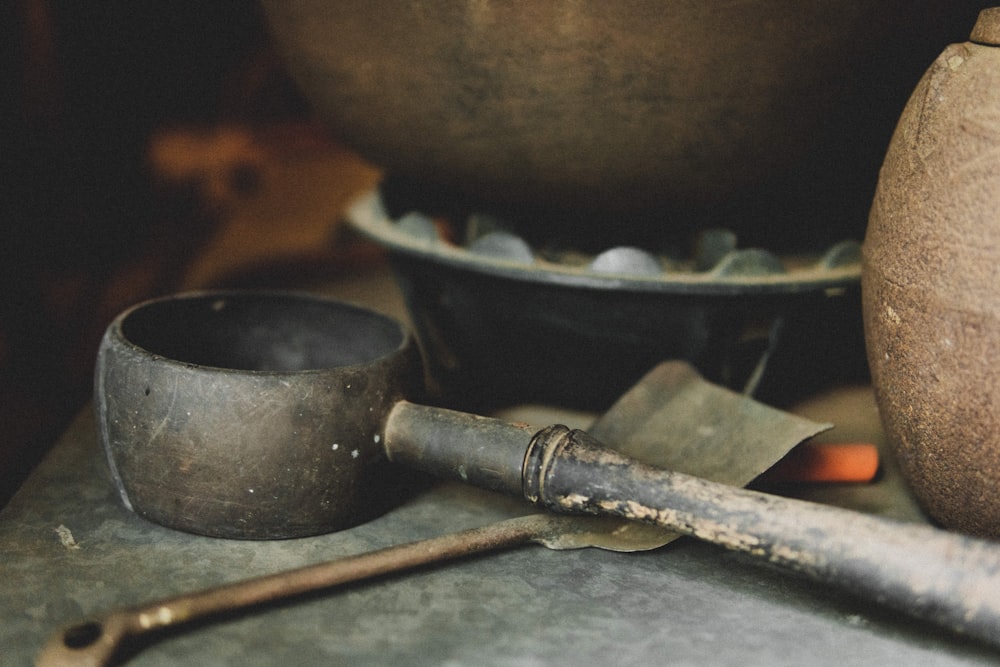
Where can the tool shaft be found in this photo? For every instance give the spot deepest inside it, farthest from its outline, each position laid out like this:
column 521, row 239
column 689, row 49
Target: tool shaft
column 943, row 577
column 96, row 642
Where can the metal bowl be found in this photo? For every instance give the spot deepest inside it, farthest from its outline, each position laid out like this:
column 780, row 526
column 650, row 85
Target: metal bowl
column 503, row 322
column 224, row 413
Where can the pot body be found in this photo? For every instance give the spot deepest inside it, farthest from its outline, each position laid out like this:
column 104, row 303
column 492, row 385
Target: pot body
column 930, row 286
column 251, row 415
column 685, row 108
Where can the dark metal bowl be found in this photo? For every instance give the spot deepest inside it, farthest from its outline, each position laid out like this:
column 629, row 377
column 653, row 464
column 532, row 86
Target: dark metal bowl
column 502, row 323
column 229, row 414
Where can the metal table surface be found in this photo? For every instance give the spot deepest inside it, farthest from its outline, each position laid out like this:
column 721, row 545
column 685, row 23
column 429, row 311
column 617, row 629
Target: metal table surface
column 69, row 549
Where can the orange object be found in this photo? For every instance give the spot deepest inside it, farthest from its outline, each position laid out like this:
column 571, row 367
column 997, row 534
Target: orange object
column 826, row 462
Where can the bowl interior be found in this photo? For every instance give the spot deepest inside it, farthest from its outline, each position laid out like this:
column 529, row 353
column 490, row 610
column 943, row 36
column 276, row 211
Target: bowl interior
column 261, row 332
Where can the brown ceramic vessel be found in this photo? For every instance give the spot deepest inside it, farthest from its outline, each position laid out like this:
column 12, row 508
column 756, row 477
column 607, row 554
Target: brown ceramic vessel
column 930, row 285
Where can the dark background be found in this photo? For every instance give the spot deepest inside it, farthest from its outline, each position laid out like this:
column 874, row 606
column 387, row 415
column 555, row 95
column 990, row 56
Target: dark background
column 85, row 85
column 85, row 227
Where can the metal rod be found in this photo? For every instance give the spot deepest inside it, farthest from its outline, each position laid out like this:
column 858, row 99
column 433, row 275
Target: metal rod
column 98, row 641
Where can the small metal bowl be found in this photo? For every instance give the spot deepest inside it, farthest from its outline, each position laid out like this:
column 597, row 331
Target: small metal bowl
column 223, row 413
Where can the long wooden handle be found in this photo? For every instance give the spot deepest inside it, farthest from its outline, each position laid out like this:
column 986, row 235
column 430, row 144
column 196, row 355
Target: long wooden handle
column 942, row 577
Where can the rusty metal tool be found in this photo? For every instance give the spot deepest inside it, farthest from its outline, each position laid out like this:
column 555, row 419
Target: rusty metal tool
column 104, row 640
column 943, row 577
column 948, row 572
column 712, row 432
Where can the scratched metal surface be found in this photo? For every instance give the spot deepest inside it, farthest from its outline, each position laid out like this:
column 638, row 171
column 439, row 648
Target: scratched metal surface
column 68, row 549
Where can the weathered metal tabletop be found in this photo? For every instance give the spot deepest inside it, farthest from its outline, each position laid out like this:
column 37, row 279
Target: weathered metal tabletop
column 69, row 549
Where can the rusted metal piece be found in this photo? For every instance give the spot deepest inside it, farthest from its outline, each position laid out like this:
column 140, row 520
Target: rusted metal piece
column 101, row 641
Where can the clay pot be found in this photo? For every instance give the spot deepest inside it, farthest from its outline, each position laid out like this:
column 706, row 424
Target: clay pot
column 930, row 285
column 719, row 108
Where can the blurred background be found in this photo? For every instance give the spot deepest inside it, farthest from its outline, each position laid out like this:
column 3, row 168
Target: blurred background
column 145, row 148
column 152, row 147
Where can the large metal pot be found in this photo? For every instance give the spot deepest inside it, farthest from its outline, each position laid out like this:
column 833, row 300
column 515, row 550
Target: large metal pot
column 697, row 108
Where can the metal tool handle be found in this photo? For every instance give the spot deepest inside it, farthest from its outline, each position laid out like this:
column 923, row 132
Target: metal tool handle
column 932, row 574
column 100, row 640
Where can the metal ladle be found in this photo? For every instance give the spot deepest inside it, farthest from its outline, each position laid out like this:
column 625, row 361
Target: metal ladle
column 671, row 417
column 942, row 577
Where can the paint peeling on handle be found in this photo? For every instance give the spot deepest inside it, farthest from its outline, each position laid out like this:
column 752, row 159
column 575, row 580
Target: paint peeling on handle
column 946, row 578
